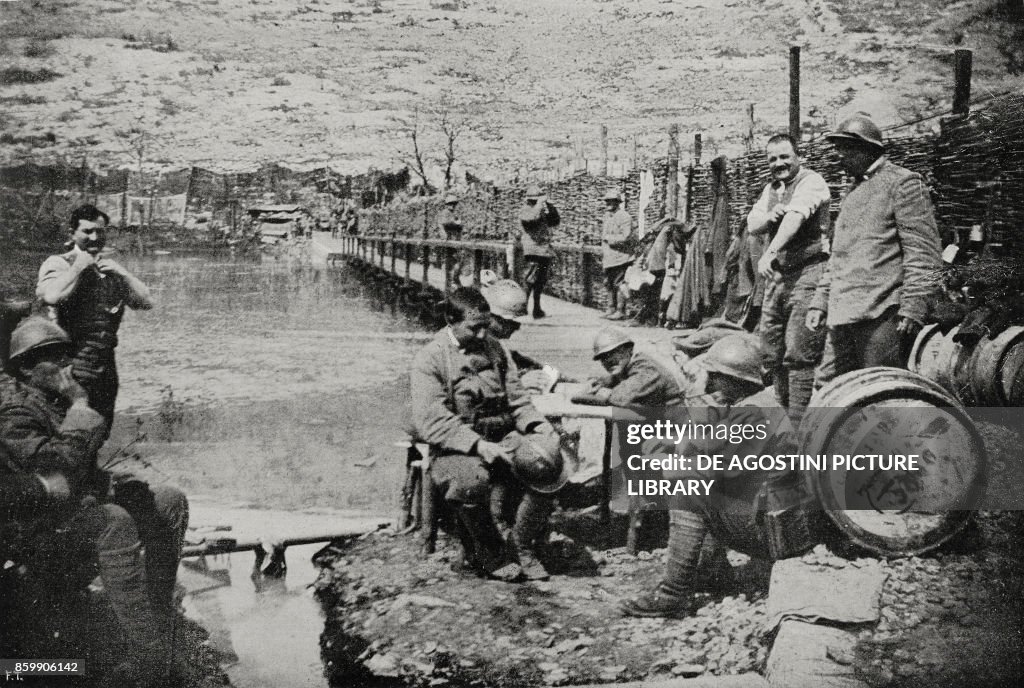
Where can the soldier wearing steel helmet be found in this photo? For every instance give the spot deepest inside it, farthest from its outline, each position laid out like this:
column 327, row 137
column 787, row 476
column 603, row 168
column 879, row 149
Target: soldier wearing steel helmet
column 538, row 218
column 636, row 378
column 450, row 225
column 732, row 511
column 48, row 433
column 885, row 261
column 618, row 241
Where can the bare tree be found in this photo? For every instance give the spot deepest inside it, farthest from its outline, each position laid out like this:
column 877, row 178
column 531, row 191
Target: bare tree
column 414, row 158
column 452, row 127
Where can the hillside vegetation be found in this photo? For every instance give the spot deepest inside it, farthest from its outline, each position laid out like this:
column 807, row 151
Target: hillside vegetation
column 232, row 83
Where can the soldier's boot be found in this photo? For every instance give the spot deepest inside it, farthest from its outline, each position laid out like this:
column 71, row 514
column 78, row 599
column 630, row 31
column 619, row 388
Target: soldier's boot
column 714, row 573
column 482, row 538
column 152, row 660
column 531, row 520
column 671, row 598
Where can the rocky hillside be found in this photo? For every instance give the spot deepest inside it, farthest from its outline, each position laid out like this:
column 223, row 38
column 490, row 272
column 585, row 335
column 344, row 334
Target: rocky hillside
column 232, row 83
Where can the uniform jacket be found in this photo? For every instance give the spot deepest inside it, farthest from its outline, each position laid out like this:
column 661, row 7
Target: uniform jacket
column 481, row 383
column 449, row 223
column 537, row 221
column 617, row 239
column 37, row 435
column 885, row 250
column 646, row 382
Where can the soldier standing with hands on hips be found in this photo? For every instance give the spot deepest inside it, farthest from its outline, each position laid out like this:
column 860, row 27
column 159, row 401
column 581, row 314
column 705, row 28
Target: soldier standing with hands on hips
column 88, row 293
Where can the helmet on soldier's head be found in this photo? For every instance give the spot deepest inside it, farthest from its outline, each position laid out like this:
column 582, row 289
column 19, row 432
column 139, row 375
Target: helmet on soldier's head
column 506, row 299
column 612, row 194
column 609, row 339
column 735, row 355
column 537, row 461
column 859, row 127
column 35, row 332
column 533, row 191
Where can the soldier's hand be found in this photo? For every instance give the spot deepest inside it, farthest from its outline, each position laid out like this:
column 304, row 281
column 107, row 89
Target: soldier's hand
column 777, row 213
column 83, row 260
column 815, row 318
column 491, row 452
column 908, row 327
column 56, row 485
column 62, row 383
column 110, row 265
column 764, row 265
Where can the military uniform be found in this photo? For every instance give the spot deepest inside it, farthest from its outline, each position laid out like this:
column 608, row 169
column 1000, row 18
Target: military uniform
column 91, row 315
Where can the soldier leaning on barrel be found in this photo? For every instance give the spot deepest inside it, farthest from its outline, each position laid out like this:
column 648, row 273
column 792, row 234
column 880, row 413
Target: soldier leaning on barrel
column 735, row 511
column 47, row 429
column 469, row 405
column 793, row 211
column 885, row 261
column 88, row 292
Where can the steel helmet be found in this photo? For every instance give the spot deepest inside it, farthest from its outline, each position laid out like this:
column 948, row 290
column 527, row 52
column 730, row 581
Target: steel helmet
column 858, row 128
column 451, row 198
column 506, row 299
column 735, row 355
column 537, row 461
column 533, row 191
column 34, row 332
column 612, row 194
column 609, row 339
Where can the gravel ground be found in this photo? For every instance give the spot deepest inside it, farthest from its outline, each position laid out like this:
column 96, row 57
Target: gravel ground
column 400, row 619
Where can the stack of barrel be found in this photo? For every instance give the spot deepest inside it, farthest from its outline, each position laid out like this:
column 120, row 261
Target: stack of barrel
column 988, row 373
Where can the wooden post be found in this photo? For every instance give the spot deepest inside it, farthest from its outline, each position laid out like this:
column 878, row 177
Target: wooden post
column 962, row 64
column 408, row 263
column 636, row 155
column 588, row 280
column 426, row 265
column 449, row 265
column 394, row 256
column 750, row 127
column 698, row 148
column 672, row 184
column 478, row 266
column 794, row 92
column 604, row 509
column 604, row 150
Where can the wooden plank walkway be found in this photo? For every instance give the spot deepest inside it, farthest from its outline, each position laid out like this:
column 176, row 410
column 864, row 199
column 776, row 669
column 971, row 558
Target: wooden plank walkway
column 562, row 339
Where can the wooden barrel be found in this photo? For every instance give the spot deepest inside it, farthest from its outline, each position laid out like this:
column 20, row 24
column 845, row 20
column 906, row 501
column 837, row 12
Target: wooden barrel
column 890, row 410
column 1013, row 366
column 993, row 366
column 933, row 355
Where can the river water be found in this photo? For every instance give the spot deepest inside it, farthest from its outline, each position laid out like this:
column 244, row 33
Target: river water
column 271, row 391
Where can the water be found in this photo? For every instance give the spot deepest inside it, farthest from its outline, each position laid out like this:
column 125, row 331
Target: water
column 263, row 388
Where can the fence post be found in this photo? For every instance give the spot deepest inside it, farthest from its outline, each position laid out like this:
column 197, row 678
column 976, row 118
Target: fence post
column 478, row 266
column 794, row 92
column 672, row 184
column 962, row 63
column 426, row 266
column 603, row 131
column 698, row 149
column 588, row 279
column 394, row 255
column 449, row 265
column 750, row 127
column 408, row 263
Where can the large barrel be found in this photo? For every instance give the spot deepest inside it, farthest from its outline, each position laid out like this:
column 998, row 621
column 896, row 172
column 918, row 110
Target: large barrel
column 978, row 375
column 895, row 512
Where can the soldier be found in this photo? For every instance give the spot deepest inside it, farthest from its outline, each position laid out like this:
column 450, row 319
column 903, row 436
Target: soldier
column 730, row 511
column 48, row 429
column 469, row 405
column 793, row 211
column 618, row 241
column 538, row 218
column 450, row 226
column 885, row 262
column 89, row 292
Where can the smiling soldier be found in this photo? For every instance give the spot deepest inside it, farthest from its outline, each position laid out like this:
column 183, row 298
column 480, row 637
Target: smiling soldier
column 89, row 293
column 793, row 211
